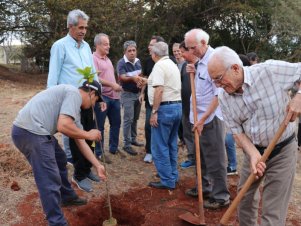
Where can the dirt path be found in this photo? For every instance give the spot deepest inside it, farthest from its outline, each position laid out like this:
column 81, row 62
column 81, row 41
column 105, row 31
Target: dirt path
column 133, row 202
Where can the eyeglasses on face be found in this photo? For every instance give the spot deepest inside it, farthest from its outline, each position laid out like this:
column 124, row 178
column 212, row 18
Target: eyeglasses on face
column 220, row 77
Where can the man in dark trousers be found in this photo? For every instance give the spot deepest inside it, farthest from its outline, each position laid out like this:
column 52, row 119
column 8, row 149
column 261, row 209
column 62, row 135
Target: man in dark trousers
column 56, row 109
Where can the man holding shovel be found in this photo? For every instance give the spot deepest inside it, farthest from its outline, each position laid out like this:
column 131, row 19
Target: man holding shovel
column 254, row 102
column 210, row 125
column 56, row 109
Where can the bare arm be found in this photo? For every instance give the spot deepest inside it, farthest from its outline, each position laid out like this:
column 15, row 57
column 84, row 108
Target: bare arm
column 158, row 93
column 115, row 86
column 211, row 108
column 67, row 126
column 257, row 167
column 137, row 79
column 86, row 151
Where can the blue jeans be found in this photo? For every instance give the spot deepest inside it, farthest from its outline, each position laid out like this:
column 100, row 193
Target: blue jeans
column 113, row 113
column 231, row 151
column 66, row 146
column 48, row 162
column 130, row 103
column 164, row 143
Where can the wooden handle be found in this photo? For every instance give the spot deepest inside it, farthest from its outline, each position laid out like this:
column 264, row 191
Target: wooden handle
column 197, row 151
column 252, row 178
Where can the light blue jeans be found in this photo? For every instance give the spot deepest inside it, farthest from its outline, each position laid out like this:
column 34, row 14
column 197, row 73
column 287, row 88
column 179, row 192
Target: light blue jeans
column 231, row 151
column 164, row 143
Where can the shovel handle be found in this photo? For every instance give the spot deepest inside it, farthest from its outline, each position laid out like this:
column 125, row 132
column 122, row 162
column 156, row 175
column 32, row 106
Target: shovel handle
column 197, row 151
column 252, row 177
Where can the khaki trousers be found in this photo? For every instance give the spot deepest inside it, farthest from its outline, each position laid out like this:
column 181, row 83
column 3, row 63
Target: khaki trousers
column 277, row 188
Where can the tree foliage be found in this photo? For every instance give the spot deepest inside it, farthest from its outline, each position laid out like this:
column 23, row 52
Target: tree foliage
column 271, row 28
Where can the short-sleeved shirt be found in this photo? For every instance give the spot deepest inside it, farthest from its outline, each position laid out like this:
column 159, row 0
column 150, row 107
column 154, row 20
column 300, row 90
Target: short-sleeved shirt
column 106, row 72
column 205, row 90
column 40, row 115
column 127, row 68
column 260, row 109
column 65, row 58
column 165, row 73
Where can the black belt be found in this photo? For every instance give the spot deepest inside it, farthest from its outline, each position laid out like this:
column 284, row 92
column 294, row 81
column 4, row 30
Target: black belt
column 277, row 148
column 170, row 102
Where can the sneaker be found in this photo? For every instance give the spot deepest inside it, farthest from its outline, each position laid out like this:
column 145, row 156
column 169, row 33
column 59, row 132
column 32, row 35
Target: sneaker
column 130, row 151
column 214, row 205
column 93, row 177
column 187, row 164
column 74, row 202
column 136, row 143
column 231, row 172
column 70, row 161
column 107, row 159
column 84, row 184
column 193, row 192
column 148, row 158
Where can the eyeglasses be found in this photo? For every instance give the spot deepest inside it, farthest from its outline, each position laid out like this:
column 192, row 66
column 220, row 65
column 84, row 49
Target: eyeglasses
column 220, row 78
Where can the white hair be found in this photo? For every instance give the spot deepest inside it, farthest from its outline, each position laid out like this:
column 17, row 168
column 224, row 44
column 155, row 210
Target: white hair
column 199, row 35
column 227, row 56
column 97, row 39
column 160, row 49
column 74, row 15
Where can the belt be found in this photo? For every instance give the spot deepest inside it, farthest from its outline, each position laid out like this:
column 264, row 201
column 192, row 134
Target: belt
column 277, row 148
column 170, row 102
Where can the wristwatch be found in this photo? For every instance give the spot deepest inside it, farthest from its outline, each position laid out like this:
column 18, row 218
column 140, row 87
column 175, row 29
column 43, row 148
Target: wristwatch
column 154, row 111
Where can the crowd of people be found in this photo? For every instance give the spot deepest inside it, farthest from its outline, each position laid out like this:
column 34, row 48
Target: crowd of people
column 238, row 99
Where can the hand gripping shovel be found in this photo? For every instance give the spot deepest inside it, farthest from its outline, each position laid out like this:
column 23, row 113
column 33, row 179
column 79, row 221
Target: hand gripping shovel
column 251, row 178
column 196, row 219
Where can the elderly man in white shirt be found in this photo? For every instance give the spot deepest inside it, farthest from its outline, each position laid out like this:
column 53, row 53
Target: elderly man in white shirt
column 254, row 103
column 164, row 93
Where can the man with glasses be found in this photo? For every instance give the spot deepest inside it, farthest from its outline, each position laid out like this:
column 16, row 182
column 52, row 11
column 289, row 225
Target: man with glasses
column 209, row 126
column 254, row 102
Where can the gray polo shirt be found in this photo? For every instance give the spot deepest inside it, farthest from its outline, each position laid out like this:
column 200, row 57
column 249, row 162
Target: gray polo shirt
column 41, row 113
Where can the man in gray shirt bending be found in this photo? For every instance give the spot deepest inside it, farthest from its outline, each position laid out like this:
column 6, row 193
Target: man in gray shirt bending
column 56, row 109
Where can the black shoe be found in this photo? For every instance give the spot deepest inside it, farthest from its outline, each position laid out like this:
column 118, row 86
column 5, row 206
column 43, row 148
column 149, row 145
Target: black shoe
column 214, row 204
column 159, row 185
column 74, row 202
column 135, row 143
column 193, row 192
column 130, row 151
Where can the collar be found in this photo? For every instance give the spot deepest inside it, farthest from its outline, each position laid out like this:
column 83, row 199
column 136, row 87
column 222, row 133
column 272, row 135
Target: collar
column 164, row 58
column 248, row 81
column 74, row 42
column 99, row 56
column 127, row 61
column 205, row 58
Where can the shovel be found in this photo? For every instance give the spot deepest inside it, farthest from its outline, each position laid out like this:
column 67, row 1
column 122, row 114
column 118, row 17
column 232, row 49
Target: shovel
column 251, row 178
column 196, row 219
column 111, row 221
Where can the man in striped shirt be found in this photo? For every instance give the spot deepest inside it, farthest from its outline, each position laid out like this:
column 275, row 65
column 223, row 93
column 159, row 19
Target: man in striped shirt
column 254, row 102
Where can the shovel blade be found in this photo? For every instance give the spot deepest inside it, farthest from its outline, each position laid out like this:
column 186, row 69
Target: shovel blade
column 192, row 218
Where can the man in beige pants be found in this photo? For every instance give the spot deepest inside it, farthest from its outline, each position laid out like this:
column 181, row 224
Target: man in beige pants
column 254, row 103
